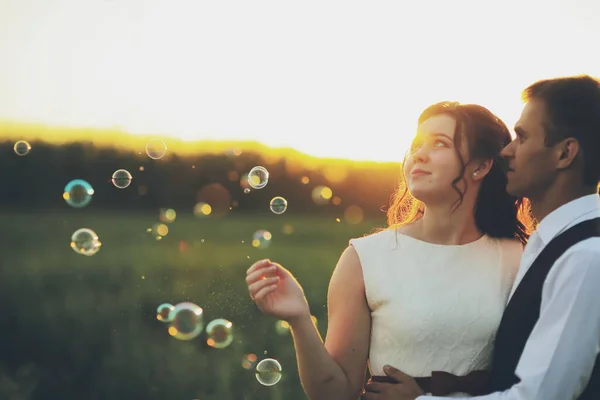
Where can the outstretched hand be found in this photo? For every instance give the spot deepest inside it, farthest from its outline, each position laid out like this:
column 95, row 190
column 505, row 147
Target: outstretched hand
column 404, row 387
column 275, row 291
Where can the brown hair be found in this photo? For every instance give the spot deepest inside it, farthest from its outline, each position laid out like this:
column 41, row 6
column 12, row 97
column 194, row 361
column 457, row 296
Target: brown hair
column 497, row 213
column 572, row 109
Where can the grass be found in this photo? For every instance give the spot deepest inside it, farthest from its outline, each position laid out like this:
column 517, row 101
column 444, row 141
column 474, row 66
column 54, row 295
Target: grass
column 85, row 327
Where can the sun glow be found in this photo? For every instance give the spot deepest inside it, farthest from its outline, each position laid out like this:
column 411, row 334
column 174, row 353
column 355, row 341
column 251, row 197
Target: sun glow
column 330, row 79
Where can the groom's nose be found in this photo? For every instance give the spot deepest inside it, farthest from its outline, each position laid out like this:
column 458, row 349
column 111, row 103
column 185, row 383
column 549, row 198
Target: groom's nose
column 507, row 151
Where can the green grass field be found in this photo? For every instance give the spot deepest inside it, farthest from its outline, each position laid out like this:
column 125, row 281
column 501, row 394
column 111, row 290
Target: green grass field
column 85, row 327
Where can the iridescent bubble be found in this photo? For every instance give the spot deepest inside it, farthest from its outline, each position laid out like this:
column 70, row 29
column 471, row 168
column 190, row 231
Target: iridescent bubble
column 278, row 205
column 163, row 312
column 268, row 372
column 258, row 177
column 261, row 239
column 220, row 333
column 156, row 149
column 186, row 321
column 22, row 148
column 78, row 193
column 121, row 178
column 85, row 241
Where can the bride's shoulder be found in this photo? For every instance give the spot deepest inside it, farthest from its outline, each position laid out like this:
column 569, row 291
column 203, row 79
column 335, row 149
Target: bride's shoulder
column 378, row 236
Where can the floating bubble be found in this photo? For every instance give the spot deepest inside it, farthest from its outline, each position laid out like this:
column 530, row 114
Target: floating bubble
column 268, row 372
column 247, row 190
column 258, row 177
column 156, row 149
column 249, row 360
column 282, row 327
column 159, row 230
column 354, row 214
column 121, row 178
column 78, row 193
column 220, row 333
column 261, row 239
column 163, row 312
column 167, row 215
column 321, row 195
column 22, row 148
column 278, row 205
column 186, row 321
column 202, row 209
column 85, row 241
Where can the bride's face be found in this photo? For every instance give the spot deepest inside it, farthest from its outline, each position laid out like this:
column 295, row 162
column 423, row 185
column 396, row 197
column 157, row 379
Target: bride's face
column 433, row 163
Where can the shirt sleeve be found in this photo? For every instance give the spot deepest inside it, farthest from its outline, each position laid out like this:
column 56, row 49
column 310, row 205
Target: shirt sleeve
column 559, row 356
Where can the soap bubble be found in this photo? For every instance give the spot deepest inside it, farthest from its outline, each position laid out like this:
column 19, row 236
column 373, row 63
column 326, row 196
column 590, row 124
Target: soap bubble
column 156, row 149
column 258, row 177
column 22, row 148
column 167, row 215
column 186, row 321
column 278, row 205
column 219, row 332
column 321, row 195
column 78, row 193
column 268, row 372
column 85, row 241
column 121, row 178
column 261, row 239
column 163, row 312
column 249, row 360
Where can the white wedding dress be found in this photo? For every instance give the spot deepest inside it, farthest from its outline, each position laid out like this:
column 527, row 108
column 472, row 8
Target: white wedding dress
column 435, row 307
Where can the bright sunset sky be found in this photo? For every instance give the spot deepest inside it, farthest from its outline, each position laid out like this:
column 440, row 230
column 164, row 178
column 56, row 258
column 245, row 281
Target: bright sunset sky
column 329, row 78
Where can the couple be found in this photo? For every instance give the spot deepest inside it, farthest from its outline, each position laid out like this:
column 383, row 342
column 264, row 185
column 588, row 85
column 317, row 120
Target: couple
column 446, row 302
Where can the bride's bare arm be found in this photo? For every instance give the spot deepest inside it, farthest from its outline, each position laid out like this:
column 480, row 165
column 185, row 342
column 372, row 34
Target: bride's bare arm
column 336, row 369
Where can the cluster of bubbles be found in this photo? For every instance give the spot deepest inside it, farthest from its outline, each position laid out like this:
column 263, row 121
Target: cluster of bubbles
column 185, row 320
column 78, row 193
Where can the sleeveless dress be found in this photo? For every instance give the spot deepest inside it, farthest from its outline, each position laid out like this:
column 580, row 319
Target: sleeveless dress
column 435, row 307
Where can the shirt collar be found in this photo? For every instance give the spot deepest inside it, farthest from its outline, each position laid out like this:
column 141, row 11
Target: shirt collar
column 563, row 216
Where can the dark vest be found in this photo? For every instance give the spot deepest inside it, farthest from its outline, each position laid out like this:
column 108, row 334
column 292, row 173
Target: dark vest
column 523, row 311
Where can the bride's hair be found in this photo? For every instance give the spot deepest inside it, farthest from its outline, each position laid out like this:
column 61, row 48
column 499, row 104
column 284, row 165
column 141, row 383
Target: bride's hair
column 497, row 213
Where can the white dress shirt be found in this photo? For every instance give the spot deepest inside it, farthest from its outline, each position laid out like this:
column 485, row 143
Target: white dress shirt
column 559, row 356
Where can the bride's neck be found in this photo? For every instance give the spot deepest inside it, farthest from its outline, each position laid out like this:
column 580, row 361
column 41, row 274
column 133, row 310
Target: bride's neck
column 440, row 226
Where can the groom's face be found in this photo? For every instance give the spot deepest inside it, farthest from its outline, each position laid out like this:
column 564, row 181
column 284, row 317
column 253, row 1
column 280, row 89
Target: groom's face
column 530, row 161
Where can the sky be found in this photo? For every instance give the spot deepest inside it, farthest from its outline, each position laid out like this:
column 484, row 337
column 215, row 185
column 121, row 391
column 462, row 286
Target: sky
column 343, row 79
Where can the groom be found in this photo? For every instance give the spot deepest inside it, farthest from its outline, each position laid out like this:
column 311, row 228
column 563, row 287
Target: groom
column 548, row 341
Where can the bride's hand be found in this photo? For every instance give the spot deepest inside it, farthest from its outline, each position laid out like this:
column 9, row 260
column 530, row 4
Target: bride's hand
column 275, row 291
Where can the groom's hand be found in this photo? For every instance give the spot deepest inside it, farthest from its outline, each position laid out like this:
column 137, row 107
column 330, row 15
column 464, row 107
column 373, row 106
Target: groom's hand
column 405, row 388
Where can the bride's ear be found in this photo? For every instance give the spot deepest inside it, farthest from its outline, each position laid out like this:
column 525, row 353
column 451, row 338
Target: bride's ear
column 482, row 168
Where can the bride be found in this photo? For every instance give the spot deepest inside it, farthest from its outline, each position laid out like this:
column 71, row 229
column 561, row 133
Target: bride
column 427, row 293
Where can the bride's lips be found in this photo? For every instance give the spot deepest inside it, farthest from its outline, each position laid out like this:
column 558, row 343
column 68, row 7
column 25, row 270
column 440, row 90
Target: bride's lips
column 419, row 172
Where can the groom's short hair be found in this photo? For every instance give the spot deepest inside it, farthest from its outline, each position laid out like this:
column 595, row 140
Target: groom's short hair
column 572, row 109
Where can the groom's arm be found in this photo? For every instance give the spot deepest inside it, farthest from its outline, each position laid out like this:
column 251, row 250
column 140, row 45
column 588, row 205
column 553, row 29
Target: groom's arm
column 559, row 356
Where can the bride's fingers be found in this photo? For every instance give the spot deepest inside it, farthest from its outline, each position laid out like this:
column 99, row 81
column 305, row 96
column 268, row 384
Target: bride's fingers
column 265, row 291
column 259, row 274
column 261, row 283
column 257, row 265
